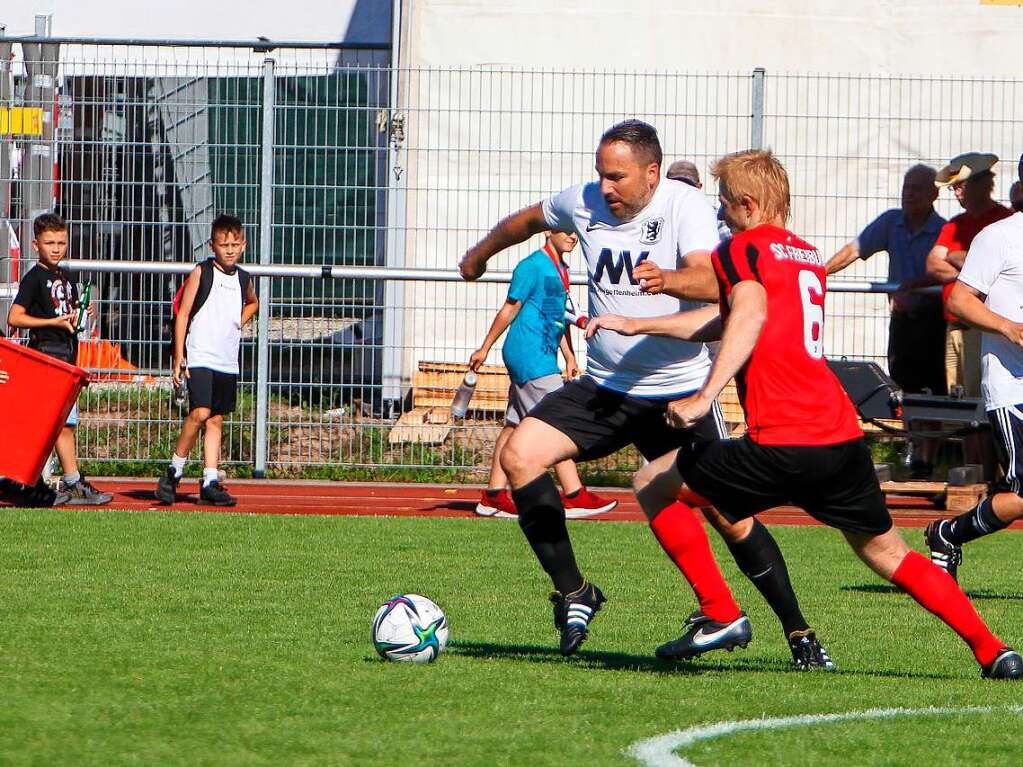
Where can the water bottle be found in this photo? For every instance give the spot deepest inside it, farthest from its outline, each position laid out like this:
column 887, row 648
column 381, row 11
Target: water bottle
column 179, row 396
column 579, row 320
column 83, row 307
column 460, row 404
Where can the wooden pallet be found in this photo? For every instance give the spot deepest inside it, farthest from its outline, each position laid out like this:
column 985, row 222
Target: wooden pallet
column 425, row 425
column 957, row 497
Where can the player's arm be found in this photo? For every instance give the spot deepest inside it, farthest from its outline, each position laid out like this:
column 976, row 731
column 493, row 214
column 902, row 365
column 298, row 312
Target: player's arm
column 516, row 228
column 695, row 281
column 571, row 364
column 703, row 324
column 502, row 320
column 18, row 317
column 181, row 321
column 849, row 253
column 939, row 267
column 250, row 307
column 967, row 303
column 746, row 317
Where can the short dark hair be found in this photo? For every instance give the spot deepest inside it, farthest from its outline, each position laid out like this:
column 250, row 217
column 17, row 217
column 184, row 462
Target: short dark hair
column 641, row 136
column 225, row 222
column 48, row 222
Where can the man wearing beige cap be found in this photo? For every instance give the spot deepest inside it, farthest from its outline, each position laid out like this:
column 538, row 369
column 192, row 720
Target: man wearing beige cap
column 973, row 183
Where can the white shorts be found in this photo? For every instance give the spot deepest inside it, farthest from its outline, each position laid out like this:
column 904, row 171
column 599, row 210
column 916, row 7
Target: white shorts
column 522, row 399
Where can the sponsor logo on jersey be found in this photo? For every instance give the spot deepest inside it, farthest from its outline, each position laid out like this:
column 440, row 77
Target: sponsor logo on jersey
column 617, row 265
column 651, row 231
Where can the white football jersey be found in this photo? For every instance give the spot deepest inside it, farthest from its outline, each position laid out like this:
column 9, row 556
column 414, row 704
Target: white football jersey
column 994, row 266
column 677, row 221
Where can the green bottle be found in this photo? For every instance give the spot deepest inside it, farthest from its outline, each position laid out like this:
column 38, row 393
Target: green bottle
column 83, row 306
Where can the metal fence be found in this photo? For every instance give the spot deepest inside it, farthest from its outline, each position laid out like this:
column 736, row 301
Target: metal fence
column 339, row 157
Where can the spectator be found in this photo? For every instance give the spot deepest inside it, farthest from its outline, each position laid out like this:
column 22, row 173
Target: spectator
column 1016, row 196
column 535, row 312
column 973, row 183
column 686, row 172
column 916, row 330
column 47, row 306
column 217, row 301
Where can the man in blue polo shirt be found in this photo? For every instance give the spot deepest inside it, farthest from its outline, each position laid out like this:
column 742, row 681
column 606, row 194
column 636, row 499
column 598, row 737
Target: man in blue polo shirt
column 916, row 333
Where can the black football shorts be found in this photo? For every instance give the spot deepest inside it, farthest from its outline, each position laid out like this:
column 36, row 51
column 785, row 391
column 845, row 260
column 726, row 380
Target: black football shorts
column 834, row 484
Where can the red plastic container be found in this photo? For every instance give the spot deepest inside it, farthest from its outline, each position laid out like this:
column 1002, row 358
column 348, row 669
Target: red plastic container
column 34, row 404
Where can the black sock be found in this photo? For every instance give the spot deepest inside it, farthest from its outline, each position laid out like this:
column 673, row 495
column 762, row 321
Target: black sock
column 542, row 519
column 575, row 492
column 494, row 492
column 973, row 524
column 760, row 559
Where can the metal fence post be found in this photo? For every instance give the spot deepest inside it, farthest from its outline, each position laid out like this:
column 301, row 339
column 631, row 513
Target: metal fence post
column 756, row 131
column 266, row 214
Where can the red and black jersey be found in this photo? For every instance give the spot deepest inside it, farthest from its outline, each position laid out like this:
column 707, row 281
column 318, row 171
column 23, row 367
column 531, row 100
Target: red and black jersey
column 787, row 391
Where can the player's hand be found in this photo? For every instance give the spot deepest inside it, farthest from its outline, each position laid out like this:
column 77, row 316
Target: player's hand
column 178, row 371
column 471, row 267
column 650, row 276
column 477, row 359
column 572, row 368
column 1014, row 332
column 621, row 325
column 685, row 413
column 65, row 322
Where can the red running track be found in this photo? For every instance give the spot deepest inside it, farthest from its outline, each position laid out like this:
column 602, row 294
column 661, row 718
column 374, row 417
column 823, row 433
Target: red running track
column 402, row 500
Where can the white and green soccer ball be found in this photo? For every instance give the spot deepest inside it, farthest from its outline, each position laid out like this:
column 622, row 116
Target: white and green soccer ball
column 410, row 628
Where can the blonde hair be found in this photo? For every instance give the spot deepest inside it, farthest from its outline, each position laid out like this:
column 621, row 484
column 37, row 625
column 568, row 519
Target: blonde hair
column 758, row 174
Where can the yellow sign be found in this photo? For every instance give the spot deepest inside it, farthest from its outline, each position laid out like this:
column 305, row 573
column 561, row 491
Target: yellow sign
column 21, row 121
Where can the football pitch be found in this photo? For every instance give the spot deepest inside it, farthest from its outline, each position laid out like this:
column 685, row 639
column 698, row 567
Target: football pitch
column 205, row 639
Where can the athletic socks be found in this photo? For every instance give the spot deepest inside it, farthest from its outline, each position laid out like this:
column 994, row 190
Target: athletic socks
column 178, row 464
column 684, row 540
column 760, row 559
column 972, row 524
column 209, row 476
column 72, row 478
column 542, row 519
column 935, row 590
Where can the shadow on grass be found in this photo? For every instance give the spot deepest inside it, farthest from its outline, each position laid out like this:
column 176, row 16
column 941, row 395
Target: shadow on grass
column 885, row 588
column 616, row 661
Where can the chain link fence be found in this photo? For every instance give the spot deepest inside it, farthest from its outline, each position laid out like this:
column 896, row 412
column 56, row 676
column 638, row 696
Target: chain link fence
column 334, row 158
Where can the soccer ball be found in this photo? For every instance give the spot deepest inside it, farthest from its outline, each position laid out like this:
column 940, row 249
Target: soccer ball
column 410, row 628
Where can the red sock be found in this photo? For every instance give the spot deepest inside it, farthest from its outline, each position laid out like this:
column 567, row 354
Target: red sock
column 683, row 538
column 935, row 590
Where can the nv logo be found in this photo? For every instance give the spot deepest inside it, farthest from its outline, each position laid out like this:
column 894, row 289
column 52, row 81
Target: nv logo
column 615, row 265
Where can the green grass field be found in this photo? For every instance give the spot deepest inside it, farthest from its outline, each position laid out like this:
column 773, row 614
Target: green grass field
column 202, row 639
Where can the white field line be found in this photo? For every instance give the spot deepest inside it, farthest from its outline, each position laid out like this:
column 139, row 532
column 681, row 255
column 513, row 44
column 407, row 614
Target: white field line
column 659, row 751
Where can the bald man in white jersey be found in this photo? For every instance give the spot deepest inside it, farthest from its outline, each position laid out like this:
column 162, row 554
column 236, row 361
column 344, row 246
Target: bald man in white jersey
column 647, row 243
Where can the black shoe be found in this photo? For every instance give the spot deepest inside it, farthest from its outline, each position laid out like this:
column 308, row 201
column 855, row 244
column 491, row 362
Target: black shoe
column 944, row 554
column 703, row 635
column 82, row 493
column 215, row 493
column 167, row 487
column 573, row 613
column 808, row 653
column 1007, row 665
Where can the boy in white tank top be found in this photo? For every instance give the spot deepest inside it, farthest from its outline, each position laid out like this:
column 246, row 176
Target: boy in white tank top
column 218, row 298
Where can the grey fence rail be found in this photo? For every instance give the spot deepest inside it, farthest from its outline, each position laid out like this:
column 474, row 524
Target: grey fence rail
column 343, row 159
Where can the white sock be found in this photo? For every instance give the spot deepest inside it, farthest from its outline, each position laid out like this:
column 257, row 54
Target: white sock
column 72, row 479
column 209, row 476
column 178, row 464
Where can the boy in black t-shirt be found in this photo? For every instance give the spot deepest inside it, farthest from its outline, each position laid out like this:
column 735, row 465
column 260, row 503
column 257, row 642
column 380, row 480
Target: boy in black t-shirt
column 46, row 306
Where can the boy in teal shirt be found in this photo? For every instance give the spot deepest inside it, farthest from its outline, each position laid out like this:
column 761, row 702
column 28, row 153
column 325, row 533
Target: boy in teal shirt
column 534, row 315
